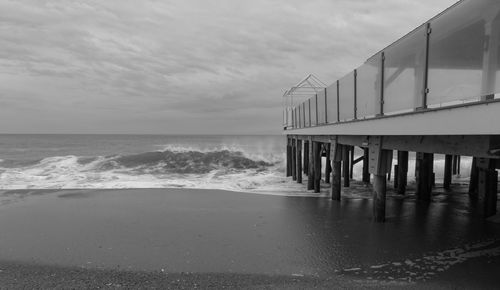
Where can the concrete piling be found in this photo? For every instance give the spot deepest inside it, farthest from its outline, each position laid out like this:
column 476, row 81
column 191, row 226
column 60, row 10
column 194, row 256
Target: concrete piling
column 345, row 165
column 336, row 158
column 299, row 161
column 328, row 164
column 351, row 163
column 288, row 158
column 380, row 162
column 456, row 164
column 447, row 171
column 474, row 172
column 317, row 166
column 402, row 171
column 336, row 180
column 310, row 176
column 379, row 195
column 366, row 173
column 306, row 157
column 487, row 186
column 424, row 185
column 294, row 159
column 396, row 176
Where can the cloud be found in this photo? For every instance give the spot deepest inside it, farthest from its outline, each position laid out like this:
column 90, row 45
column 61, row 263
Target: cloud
column 156, row 66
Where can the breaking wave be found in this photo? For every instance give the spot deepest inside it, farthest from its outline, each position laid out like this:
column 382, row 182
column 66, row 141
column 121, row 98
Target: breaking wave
column 191, row 162
column 171, row 167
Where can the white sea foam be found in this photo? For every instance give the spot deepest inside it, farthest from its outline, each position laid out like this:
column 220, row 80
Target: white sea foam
column 65, row 172
column 166, row 169
column 263, row 152
column 429, row 265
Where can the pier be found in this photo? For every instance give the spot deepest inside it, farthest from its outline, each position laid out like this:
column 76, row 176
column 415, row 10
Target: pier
column 434, row 91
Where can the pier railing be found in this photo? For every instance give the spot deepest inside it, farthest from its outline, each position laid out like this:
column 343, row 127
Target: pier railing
column 451, row 60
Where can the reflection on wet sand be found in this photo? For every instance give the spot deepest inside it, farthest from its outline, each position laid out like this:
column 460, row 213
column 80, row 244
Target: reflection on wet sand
column 181, row 230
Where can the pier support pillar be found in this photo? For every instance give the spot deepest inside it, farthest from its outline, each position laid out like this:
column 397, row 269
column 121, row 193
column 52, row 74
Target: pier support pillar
column 380, row 162
column 396, row 176
column 288, row 157
column 402, row 171
column 328, row 165
column 432, row 175
column 459, row 159
column 474, row 174
column 317, row 166
column 487, row 186
column 299, row 160
column 294, row 159
column 306, row 157
column 366, row 172
column 310, row 166
column 456, row 164
column 345, row 165
column 424, row 169
column 351, row 168
column 336, row 157
column 379, row 192
column 447, row 171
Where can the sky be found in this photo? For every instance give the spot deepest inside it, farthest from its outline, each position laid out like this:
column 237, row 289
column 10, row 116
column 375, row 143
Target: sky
column 181, row 67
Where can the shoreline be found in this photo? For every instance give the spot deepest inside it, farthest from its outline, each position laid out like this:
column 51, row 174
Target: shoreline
column 14, row 275
column 216, row 238
column 477, row 273
column 357, row 190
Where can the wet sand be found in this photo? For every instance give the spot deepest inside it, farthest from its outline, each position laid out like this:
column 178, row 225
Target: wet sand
column 182, row 238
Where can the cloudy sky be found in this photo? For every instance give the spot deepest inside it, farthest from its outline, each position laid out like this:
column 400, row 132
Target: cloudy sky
column 185, row 66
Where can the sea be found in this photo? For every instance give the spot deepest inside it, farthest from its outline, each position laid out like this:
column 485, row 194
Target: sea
column 247, row 218
column 226, row 162
column 237, row 163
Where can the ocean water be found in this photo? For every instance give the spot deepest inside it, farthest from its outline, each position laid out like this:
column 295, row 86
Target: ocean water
column 205, row 231
column 238, row 163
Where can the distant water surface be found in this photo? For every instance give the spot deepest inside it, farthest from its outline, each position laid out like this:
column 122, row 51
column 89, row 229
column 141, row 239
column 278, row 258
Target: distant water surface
column 237, row 163
column 240, row 163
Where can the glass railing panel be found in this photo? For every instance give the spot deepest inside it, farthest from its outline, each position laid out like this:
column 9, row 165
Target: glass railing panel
column 288, row 114
column 463, row 53
column 307, row 113
column 368, row 87
column 302, row 117
column 299, row 121
column 346, row 97
column 331, row 103
column 404, row 72
column 313, row 106
column 299, row 116
column 321, row 107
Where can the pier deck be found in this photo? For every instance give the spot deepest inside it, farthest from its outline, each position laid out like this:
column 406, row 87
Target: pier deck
column 434, row 91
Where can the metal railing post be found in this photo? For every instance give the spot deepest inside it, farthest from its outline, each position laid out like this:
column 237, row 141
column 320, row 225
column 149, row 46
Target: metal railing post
column 326, row 108
column 316, row 101
column 309, row 100
column 382, row 83
column 338, row 101
column 426, row 68
column 355, row 94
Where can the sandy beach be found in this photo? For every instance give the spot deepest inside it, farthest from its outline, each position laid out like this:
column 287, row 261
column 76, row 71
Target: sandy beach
column 183, row 238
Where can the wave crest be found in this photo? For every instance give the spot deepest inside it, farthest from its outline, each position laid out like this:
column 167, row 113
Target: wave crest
column 220, row 169
column 184, row 162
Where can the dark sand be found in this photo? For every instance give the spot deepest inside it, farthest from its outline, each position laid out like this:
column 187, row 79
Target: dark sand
column 179, row 238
